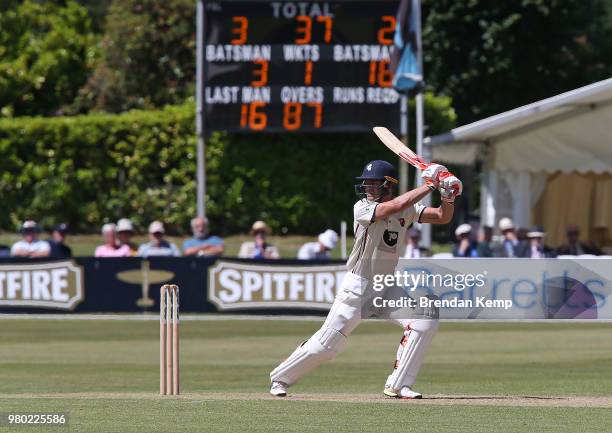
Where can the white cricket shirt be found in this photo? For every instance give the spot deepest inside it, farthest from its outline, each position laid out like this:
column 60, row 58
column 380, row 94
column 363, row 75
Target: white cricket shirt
column 378, row 244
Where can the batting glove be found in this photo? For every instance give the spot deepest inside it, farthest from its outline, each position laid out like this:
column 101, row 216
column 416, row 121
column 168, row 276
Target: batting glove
column 450, row 187
column 432, row 173
column 448, row 195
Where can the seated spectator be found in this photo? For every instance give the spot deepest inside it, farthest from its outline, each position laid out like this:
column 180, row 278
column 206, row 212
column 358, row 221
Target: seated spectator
column 413, row 248
column 521, row 235
column 507, row 247
column 601, row 239
column 485, row 241
column 111, row 247
column 157, row 245
column 319, row 250
column 125, row 231
column 30, row 245
column 465, row 246
column 574, row 247
column 202, row 243
column 259, row 248
column 534, row 248
column 57, row 243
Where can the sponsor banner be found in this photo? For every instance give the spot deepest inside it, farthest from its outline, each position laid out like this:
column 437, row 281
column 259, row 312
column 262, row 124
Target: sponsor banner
column 131, row 284
column 501, row 289
column 52, row 285
column 245, row 285
column 101, row 285
column 506, row 289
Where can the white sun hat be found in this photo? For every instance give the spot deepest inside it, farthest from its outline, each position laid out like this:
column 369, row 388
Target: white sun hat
column 125, row 225
column 506, row 224
column 463, row 229
column 328, row 239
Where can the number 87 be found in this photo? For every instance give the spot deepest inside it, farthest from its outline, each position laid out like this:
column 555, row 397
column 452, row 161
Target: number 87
column 292, row 115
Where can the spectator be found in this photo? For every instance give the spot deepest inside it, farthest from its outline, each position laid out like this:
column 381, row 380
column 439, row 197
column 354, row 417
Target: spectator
column 574, row 246
column 534, row 248
column 125, row 231
column 111, row 247
column 601, row 239
column 485, row 241
column 465, row 246
column 319, row 250
column 507, row 247
column 413, row 249
column 259, row 248
column 57, row 243
column 30, row 245
column 157, row 245
column 202, row 243
column 521, row 235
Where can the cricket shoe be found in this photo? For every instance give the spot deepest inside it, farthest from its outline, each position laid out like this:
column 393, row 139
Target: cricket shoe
column 404, row 393
column 278, row 389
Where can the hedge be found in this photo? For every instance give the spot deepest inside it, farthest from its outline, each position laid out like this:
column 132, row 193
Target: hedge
column 91, row 169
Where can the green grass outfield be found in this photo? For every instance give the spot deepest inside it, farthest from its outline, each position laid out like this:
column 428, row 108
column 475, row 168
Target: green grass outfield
column 479, row 378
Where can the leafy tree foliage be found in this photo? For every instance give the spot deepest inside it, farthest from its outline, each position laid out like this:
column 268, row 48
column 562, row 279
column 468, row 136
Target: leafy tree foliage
column 97, row 12
column 45, row 48
column 491, row 56
column 148, row 56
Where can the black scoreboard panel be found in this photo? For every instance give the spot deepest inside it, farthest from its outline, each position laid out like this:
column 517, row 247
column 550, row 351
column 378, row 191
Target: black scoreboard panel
column 273, row 66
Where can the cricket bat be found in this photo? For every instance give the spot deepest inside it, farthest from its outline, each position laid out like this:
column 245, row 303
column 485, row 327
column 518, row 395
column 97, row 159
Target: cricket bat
column 399, row 148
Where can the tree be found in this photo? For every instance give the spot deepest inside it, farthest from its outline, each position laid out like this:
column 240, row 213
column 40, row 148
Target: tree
column 148, row 56
column 97, row 10
column 491, row 56
column 45, row 50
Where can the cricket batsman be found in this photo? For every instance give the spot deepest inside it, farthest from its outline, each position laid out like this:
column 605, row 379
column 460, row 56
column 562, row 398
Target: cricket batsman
column 380, row 223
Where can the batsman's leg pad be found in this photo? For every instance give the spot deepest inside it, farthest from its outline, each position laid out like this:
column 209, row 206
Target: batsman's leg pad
column 323, row 346
column 411, row 353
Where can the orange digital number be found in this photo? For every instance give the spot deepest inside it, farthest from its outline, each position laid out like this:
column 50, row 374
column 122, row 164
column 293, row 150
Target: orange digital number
column 385, row 77
column 308, row 73
column 260, row 73
column 305, row 30
column 385, row 34
column 240, row 30
column 328, row 26
column 380, row 74
column 318, row 117
column 244, row 115
column 292, row 116
column 249, row 116
column 372, row 75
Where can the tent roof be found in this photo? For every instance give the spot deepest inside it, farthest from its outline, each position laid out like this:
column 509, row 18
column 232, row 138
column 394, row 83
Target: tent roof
column 568, row 132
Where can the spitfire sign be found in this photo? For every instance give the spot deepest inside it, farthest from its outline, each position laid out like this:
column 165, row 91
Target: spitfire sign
column 57, row 285
column 236, row 285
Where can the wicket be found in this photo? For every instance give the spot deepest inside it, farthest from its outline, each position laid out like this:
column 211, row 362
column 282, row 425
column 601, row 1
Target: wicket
column 169, row 340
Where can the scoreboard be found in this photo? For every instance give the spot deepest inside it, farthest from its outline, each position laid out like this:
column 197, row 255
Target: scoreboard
column 282, row 66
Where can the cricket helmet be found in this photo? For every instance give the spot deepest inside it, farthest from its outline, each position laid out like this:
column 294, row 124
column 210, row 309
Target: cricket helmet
column 379, row 170
column 376, row 170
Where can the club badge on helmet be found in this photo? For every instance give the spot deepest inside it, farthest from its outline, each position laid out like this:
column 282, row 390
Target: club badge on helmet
column 376, row 170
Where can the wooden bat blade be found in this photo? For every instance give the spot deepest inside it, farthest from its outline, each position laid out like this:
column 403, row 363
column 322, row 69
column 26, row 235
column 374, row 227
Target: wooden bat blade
column 396, row 146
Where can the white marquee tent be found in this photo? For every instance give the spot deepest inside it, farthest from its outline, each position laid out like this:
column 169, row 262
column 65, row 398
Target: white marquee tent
column 549, row 162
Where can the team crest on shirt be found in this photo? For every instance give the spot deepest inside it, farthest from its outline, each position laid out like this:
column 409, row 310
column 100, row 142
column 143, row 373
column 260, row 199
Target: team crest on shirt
column 390, row 238
column 402, row 222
